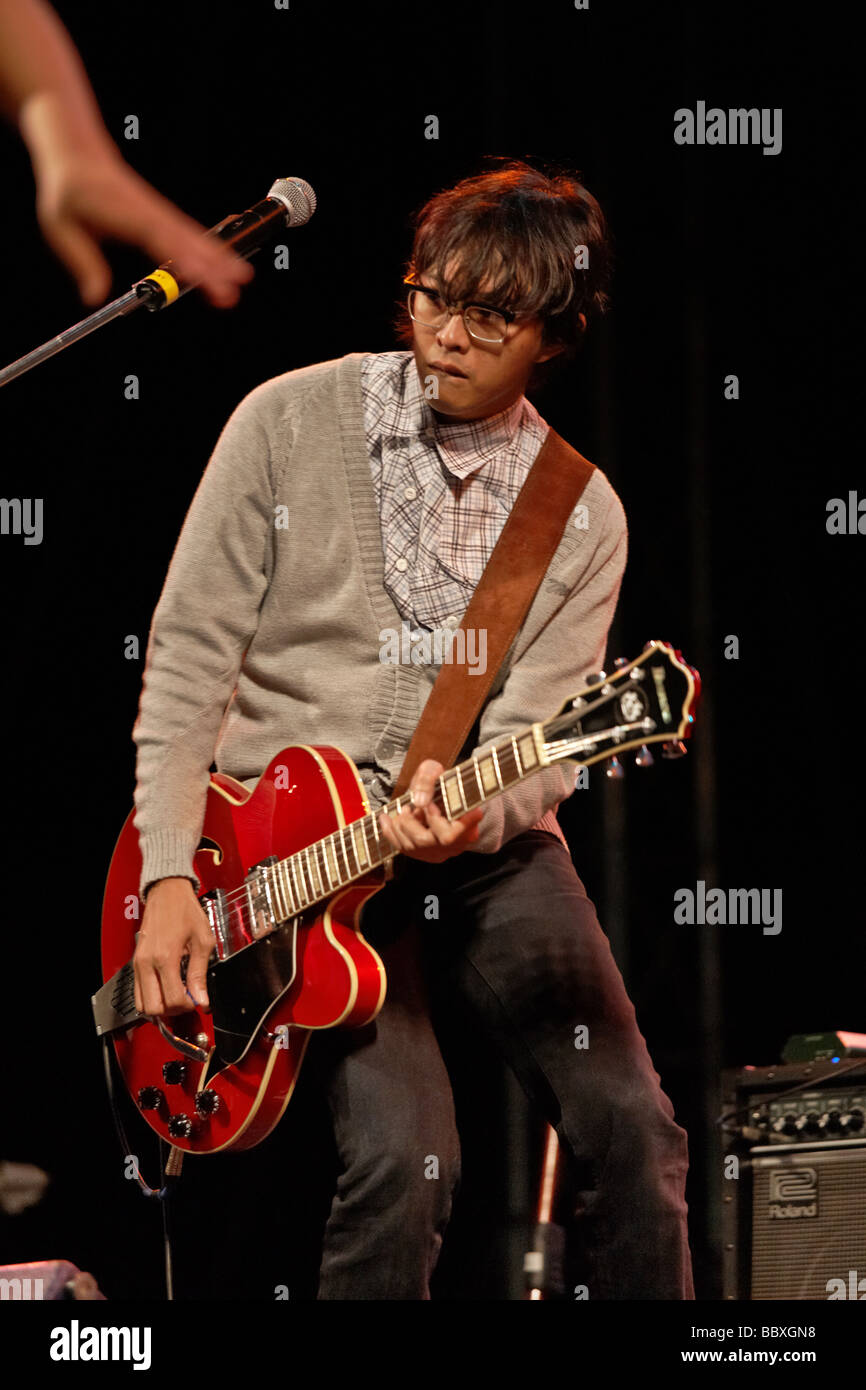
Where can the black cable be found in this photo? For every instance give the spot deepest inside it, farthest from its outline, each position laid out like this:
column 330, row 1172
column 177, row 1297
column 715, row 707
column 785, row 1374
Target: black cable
column 169, row 1181
column 809, row 1085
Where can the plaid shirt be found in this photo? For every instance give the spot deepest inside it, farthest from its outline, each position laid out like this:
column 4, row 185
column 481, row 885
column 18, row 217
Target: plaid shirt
column 444, row 490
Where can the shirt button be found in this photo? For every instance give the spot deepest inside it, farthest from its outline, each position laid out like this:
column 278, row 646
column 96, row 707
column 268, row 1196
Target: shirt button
column 400, row 564
column 410, row 494
column 453, row 621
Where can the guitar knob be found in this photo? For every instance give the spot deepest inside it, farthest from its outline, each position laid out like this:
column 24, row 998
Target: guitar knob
column 207, row 1103
column 150, row 1098
column 621, row 661
column 596, row 677
column 674, row 749
column 614, row 769
column 180, row 1127
column 174, row 1073
column 643, row 757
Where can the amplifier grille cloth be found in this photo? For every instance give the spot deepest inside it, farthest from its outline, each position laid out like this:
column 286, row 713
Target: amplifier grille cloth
column 794, row 1257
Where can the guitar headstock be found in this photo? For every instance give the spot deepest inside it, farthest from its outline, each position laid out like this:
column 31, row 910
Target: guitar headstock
column 649, row 700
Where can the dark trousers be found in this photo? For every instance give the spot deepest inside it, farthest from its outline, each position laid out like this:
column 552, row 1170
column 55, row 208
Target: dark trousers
column 514, row 937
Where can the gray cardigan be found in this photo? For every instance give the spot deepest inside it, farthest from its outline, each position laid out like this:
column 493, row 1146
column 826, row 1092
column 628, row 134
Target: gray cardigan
column 267, row 631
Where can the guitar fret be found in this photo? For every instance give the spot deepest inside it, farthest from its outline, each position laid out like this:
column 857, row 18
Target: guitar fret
column 299, row 857
column 285, row 890
column 495, row 758
column 374, row 822
column 341, row 833
column 321, row 866
column 316, row 889
column 349, row 831
column 508, row 765
column 322, row 861
column 317, row 864
column 359, row 839
column 516, row 755
column 331, row 862
column 275, row 897
column 528, row 752
column 459, row 776
column 473, row 794
column 479, row 783
column 450, row 794
column 488, row 774
column 306, row 879
column 349, row 852
column 299, row 897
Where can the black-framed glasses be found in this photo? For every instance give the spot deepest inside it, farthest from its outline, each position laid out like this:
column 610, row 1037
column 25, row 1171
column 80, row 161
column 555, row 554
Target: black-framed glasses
column 428, row 309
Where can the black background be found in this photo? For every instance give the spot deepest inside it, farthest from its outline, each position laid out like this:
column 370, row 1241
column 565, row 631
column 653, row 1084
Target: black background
column 727, row 261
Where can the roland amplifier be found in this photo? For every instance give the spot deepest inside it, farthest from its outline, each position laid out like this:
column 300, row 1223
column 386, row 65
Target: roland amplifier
column 794, row 1219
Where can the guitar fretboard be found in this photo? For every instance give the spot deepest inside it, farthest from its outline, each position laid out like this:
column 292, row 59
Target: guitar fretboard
column 315, row 873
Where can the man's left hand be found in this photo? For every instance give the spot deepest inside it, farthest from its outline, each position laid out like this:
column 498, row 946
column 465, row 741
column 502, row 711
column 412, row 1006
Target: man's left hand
column 422, row 831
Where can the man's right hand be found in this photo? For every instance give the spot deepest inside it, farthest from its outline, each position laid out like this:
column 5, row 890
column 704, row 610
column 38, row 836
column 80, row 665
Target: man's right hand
column 174, row 925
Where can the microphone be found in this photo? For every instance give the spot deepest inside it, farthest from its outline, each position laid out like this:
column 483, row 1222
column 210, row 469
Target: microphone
column 290, row 203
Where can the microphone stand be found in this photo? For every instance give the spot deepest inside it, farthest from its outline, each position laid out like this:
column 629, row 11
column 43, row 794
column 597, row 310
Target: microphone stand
column 543, row 1265
column 290, row 203
column 118, row 308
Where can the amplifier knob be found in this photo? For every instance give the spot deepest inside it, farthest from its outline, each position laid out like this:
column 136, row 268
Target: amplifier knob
column 174, row 1073
column 807, row 1124
column 150, row 1098
column 829, row 1122
column 784, row 1124
column 180, row 1127
column 853, row 1120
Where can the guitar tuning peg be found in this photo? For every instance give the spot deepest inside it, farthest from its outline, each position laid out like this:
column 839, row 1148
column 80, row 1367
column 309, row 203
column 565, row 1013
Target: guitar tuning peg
column 614, row 769
column 643, row 757
column 596, row 677
column 675, row 749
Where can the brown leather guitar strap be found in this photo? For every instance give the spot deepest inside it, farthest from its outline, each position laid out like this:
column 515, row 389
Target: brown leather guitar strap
column 511, row 577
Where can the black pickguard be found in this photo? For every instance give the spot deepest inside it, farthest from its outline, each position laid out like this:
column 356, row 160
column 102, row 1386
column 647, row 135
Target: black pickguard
column 243, row 988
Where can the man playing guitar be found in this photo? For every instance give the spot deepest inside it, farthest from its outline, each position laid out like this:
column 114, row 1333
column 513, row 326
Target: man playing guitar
column 344, row 502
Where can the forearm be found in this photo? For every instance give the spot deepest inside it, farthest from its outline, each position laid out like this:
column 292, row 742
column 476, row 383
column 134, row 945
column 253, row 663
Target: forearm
column 43, row 84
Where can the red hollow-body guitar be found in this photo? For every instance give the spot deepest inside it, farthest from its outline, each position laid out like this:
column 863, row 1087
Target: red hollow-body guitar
column 285, row 871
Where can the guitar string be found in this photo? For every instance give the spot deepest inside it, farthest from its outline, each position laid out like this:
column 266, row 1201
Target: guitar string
column 500, row 752
column 238, row 897
column 236, row 902
column 504, row 749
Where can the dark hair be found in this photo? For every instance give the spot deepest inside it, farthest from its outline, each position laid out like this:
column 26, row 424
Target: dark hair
column 519, row 229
